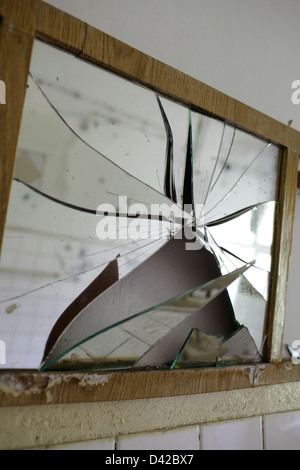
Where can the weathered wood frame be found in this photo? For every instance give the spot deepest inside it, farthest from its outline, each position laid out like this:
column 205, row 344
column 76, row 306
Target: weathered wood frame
column 22, row 22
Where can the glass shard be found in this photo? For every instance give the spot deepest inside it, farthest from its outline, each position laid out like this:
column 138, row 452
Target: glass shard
column 213, row 316
column 117, row 348
column 236, row 239
column 181, row 270
column 145, row 331
column 102, row 282
column 248, row 236
column 188, row 188
column 169, row 184
column 240, row 348
column 179, row 122
column 199, row 350
column 243, row 295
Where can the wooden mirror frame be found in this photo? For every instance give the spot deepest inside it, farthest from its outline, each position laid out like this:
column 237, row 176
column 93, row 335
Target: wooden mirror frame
column 20, row 23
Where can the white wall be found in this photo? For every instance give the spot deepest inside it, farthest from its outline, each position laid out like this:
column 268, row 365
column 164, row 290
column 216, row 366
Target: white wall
column 246, row 49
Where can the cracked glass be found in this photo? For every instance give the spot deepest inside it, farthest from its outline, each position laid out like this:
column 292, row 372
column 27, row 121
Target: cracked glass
column 139, row 232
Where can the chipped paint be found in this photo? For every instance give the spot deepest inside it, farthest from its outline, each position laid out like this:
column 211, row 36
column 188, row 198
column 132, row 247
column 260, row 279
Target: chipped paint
column 253, row 372
column 94, row 379
column 250, row 371
column 258, row 370
column 16, row 384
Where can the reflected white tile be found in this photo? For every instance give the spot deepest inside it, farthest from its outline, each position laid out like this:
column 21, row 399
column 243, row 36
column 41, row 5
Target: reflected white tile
column 242, row 434
column 179, row 439
column 282, row 431
column 145, row 329
column 104, row 343
column 133, row 348
column 170, row 320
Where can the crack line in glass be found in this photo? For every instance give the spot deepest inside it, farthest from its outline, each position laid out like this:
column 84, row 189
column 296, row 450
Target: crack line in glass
column 239, row 179
column 170, row 190
column 92, row 148
column 226, row 159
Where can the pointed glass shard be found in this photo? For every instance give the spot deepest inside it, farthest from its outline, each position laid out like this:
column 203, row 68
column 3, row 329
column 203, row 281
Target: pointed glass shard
column 213, row 316
column 102, row 282
column 251, row 236
column 240, row 348
column 248, row 236
column 188, row 187
column 178, row 118
column 199, row 350
column 242, row 294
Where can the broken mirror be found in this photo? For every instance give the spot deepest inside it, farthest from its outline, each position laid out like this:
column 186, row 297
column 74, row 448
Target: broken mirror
column 139, row 232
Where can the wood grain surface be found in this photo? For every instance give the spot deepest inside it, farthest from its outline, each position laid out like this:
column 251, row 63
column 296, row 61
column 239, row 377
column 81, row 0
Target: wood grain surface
column 32, row 388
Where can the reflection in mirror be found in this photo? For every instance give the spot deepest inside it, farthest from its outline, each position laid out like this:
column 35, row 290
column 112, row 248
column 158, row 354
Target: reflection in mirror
column 201, row 349
column 160, row 329
column 139, row 233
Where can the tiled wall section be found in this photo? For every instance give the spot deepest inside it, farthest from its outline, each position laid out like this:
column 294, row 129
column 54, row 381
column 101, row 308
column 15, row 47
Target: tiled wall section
column 280, row 431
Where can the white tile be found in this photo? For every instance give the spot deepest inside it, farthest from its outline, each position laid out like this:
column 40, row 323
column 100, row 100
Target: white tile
column 103, row 344
column 145, row 329
column 133, row 348
column 179, row 439
column 95, row 444
column 169, row 319
column 241, row 434
column 282, row 431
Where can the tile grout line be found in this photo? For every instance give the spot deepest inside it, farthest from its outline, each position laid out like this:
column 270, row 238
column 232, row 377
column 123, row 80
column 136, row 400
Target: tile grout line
column 200, row 437
column 263, row 431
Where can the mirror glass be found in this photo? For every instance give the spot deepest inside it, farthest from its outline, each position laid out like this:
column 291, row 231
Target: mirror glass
column 139, row 232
